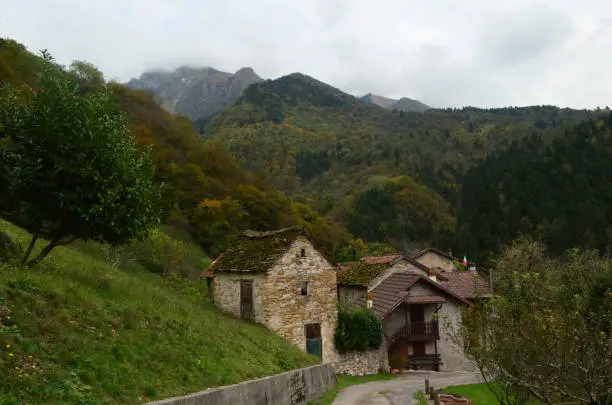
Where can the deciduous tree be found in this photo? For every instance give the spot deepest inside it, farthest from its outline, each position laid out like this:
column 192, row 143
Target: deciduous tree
column 72, row 167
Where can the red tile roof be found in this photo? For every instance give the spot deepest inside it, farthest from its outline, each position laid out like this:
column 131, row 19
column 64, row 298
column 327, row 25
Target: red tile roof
column 209, row 270
column 466, row 284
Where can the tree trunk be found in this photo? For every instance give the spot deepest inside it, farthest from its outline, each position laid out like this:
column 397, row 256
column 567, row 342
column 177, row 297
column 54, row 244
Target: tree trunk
column 30, row 247
column 55, row 242
column 43, row 253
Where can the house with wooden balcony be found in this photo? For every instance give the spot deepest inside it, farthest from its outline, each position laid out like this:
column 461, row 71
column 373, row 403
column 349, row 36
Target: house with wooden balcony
column 417, row 308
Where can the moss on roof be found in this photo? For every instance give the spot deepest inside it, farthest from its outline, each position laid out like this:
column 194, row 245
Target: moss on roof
column 256, row 252
column 361, row 274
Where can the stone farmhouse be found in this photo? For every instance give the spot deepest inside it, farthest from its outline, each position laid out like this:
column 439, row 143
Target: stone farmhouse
column 419, row 301
column 280, row 280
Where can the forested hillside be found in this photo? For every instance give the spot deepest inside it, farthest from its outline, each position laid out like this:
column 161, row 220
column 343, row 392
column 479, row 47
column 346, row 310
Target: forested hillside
column 557, row 189
column 298, row 151
column 207, row 194
column 386, row 175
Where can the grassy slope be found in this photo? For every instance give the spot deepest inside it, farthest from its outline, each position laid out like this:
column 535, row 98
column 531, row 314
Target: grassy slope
column 346, row 381
column 97, row 335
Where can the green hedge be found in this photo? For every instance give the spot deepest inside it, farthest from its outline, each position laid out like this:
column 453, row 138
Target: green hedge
column 358, row 330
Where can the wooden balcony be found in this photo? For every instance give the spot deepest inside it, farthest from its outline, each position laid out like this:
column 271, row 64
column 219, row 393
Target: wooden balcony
column 418, row 332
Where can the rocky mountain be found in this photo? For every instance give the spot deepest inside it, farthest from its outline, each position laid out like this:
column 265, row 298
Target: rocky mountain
column 197, row 93
column 403, row 104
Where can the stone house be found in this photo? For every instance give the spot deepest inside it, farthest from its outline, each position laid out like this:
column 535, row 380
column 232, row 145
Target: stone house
column 417, row 305
column 467, row 284
column 280, row 280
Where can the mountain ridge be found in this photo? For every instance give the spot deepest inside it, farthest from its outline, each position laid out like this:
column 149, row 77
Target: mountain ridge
column 196, row 93
column 404, row 104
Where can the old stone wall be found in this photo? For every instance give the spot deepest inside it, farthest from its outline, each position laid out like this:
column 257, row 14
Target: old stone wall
column 226, row 293
column 452, row 355
column 296, row 387
column 363, row 363
column 286, row 311
column 433, row 260
column 352, row 297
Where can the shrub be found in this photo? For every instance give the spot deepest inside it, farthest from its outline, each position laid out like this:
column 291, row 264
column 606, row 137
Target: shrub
column 163, row 254
column 358, row 330
column 9, row 250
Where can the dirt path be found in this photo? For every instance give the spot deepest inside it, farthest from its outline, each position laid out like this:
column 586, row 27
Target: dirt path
column 400, row 391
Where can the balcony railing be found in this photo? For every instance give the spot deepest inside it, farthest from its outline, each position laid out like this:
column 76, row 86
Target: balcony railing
column 418, row 331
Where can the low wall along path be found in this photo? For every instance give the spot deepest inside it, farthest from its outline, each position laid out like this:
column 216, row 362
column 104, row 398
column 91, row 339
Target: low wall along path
column 296, row 387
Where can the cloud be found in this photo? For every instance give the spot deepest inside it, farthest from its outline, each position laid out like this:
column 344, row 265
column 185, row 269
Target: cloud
column 442, row 52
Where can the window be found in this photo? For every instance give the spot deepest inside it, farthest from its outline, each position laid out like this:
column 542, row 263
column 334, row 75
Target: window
column 303, row 252
column 304, row 289
column 314, row 343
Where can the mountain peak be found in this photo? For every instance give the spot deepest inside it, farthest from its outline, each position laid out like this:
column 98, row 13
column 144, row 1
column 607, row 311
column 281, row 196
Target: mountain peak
column 195, row 92
column 403, row 104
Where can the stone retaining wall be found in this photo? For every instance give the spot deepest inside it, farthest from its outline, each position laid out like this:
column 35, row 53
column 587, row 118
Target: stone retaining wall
column 296, row 387
column 363, row 363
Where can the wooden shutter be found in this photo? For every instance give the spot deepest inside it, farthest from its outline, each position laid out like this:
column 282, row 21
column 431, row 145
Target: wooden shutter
column 246, row 299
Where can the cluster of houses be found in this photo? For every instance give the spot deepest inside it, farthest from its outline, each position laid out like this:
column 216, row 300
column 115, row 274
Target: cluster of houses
column 279, row 279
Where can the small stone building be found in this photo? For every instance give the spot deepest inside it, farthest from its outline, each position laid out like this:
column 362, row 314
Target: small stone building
column 280, row 280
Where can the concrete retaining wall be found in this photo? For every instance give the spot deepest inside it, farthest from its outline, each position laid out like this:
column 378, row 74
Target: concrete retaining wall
column 296, row 387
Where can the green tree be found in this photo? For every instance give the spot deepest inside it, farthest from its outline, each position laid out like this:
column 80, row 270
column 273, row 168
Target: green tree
column 563, row 305
column 87, row 73
column 72, row 168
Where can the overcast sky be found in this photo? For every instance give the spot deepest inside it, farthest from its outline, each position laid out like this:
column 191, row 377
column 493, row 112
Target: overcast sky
column 442, row 52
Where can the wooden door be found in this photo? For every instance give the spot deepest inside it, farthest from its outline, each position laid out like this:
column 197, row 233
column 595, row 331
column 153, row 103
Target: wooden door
column 314, row 342
column 246, row 299
column 417, row 319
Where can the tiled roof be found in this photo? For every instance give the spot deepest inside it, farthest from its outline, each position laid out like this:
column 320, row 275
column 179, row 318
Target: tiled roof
column 466, row 284
column 254, row 252
column 441, row 253
column 361, row 273
column 380, row 259
column 389, row 293
column 424, row 299
column 395, row 289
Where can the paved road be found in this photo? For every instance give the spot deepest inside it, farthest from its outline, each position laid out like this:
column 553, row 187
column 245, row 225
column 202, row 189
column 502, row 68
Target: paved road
column 400, row 391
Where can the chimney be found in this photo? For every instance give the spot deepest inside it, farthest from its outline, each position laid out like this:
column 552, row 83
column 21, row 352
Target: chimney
column 451, row 265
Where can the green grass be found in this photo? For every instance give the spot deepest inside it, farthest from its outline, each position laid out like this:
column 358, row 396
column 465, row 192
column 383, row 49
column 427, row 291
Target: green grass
column 75, row 331
column 479, row 394
column 346, row 381
column 420, row 399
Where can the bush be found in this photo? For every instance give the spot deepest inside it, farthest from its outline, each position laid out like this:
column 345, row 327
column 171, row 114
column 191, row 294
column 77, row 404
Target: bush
column 163, row 254
column 9, row 250
column 358, row 330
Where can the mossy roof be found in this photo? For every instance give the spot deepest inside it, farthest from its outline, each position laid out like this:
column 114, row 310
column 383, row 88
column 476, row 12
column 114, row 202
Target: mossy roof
column 361, row 274
column 256, row 252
